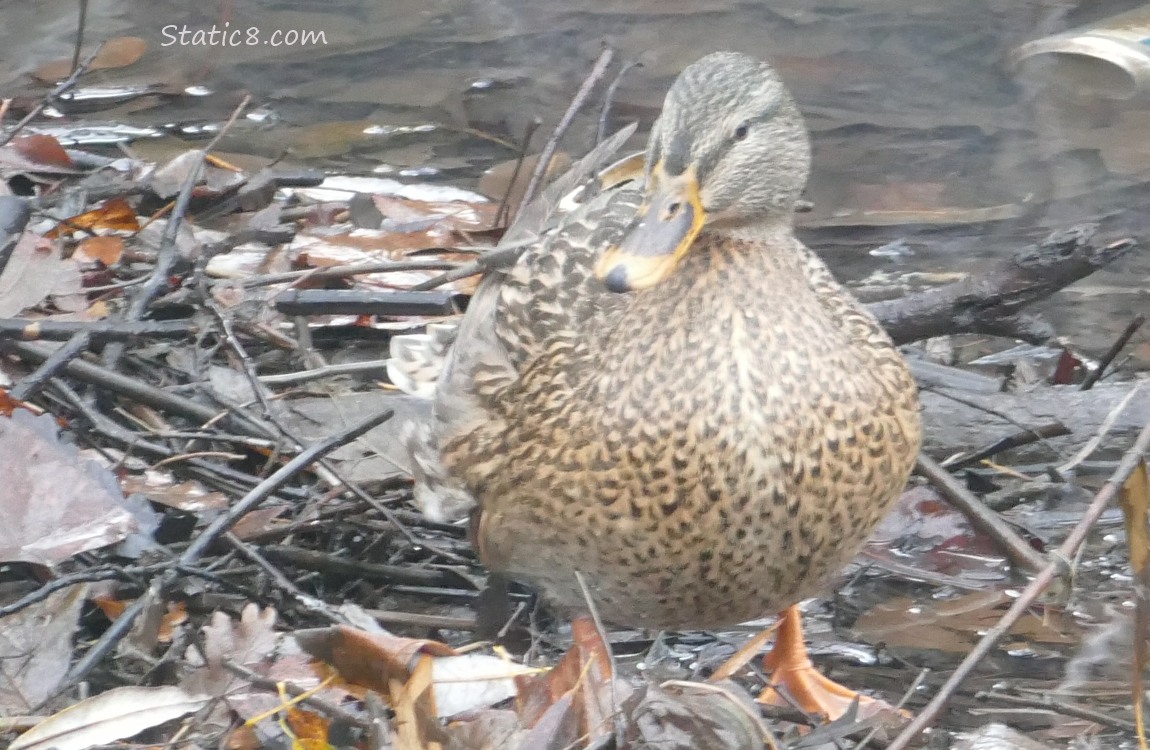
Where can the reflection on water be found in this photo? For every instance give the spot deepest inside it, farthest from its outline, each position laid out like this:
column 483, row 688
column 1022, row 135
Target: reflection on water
column 909, row 101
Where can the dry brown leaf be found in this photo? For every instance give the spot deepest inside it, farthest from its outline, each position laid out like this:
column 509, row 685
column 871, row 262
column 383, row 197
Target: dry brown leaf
column 42, row 149
column 36, row 649
column 955, row 625
column 116, row 214
column 369, row 659
column 54, row 503
column 452, row 215
column 116, row 53
column 34, row 273
column 161, row 487
column 247, row 642
column 107, row 249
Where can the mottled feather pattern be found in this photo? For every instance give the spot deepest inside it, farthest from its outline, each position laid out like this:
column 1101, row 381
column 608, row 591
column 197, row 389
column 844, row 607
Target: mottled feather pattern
column 706, row 450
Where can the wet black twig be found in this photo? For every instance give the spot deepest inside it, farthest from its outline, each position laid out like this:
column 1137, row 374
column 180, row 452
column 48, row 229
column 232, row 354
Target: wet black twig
column 991, row 301
column 143, row 393
column 1068, row 549
column 498, row 258
column 81, row 24
column 279, row 579
column 1115, row 348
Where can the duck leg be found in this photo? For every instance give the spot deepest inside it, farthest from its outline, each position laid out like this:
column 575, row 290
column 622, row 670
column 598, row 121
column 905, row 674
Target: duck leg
column 794, row 676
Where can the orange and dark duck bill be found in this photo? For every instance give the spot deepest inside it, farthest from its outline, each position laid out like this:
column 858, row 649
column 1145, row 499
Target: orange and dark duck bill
column 667, row 223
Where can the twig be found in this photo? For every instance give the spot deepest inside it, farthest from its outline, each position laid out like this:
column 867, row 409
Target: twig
column 81, row 24
column 498, row 258
column 502, row 216
column 51, row 96
column 1018, row 439
column 310, row 603
column 168, row 253
column 1068, row 549
column 984, row 519
column 123, row 624
column 1093, row 443
column 1059, row 707
column 99, row 331
column 597, row 72
column 1112, row 352
column 609, row 99
column 35, row 381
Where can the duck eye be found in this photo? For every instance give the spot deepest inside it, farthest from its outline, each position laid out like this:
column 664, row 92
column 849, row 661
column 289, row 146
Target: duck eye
column 742, row 131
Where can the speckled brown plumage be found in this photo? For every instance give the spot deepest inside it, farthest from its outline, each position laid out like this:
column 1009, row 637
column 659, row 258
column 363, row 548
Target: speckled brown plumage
column 704, row 451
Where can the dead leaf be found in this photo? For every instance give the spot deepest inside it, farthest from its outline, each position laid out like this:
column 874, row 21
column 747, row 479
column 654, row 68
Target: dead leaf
column 107, row 249
column 116, row 214
column 368, row 659
column 36, row 650
column 115, row 715
column 54, row 503
column 247, row 642
column 35, row 272
column 162, row 487
column 119, row 52
column 42, row 149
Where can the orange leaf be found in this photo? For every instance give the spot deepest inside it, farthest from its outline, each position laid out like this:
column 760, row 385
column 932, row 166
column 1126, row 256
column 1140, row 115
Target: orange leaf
column 308, row 726
column 43, row 149
column 107, row 249
column 116, row 53
column 368, row 659
column 115, row 214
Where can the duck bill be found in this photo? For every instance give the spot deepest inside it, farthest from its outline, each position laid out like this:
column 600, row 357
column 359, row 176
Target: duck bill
column 667, row 223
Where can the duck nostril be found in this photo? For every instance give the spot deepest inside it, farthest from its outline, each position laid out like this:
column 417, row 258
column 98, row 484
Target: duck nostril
column 673, row 209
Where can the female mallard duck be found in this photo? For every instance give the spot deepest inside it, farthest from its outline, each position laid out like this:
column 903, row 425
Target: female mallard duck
column 671, row 395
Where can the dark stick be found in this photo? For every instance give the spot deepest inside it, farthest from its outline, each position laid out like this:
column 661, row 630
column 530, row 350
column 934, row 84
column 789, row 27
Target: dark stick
column 99, row 331
column 142, row 392
column 1021, row 554
column 1017, row 440
column 609, row 100
column 1069, row 548
column 168, row 254
column 80, row 25
column 581, row 95
column 50, row 367
column 1113, row 352
column 123, row 624
column 502, row 216
column 990, row 302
